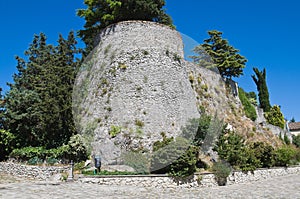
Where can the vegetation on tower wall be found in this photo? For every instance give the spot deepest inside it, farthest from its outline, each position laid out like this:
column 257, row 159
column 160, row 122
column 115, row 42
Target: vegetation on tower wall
column 248, row 107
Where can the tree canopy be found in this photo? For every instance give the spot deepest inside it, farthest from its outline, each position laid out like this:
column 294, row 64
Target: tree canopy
column 101, row 13
column 262, row 88
column 223, row 56
column 38, row 105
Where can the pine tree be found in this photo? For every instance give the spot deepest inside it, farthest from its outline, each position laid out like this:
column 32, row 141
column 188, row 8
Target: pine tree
column 101, row 13
column 39, row 103
column 223, row 56
column 262, row 88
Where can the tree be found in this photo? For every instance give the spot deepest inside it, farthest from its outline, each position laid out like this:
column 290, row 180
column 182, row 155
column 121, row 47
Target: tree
column 223, row 56
column 263, row 93
column 275, row 117
column 293, row 119
column 38, row 105
column 101, row 13
column 1, row 110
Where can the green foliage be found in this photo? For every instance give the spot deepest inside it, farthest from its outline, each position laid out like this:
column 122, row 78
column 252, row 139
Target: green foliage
column 136, row 160
column 39, row 103
column 7, row 142
column 224, row 56
column 101, row 13
column 198, row 129
column 248, row 107
column 139, row 123
column 27, row 153
column 284, row 156
column 252, row 98
column 75, row 150
column 221, row 170
column 275, row 117
column 35, row 161
column 109, row 173
column 231, row 147
column 114, row 131
column 286, row 139
column 78, row 150
column 264, row 154
column 262, row 88
column 185, row 165
column 170, row 157
column 160, row 144
column 296, row 140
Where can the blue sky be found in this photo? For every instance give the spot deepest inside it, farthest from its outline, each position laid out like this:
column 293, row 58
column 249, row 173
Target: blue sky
column 266, row 33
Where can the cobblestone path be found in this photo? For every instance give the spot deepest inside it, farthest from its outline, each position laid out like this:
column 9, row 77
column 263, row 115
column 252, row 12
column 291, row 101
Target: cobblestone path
column 280, row 187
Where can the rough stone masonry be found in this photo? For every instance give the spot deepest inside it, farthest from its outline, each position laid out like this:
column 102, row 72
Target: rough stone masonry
column 136, row 85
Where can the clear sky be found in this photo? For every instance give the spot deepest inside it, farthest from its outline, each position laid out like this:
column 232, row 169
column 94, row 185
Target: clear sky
column 266, row 33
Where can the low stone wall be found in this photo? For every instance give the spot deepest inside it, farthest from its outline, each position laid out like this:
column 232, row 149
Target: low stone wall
column 160, row 181
column 32, row 172
column 198, row 180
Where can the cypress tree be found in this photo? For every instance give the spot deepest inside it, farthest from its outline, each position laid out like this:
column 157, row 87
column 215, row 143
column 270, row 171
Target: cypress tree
column 263, row 93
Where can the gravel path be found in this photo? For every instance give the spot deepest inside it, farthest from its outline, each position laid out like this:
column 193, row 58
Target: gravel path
column 280, row 187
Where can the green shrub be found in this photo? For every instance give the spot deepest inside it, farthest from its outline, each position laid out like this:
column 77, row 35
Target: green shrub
column 275, row 117
column 296, row 140
column 286, row 139
column 7, row 142
column 231, row 147
column 248, row 107
column 160, row 144
column 78, row 150
column 51, row 160
column 27, row 153
column 284, row 156
column 109, row 173
column 35, row 161
column 197, row 129
column 139, row 123
column 221, row 171
column 185, row 165
column 177, row 158
column 264, row 153
column 136, row 160
column 75, row 150
column 114, row 131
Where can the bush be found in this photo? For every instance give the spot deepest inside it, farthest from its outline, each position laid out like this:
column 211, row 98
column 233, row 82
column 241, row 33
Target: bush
column 264, row 153
column 7, row 140
column 231, row 147
column 136, row 160
column 75, row 150
column 284, row 156
column 27, row 153
column 35, row 161
column 221, row 171
column 248, row 107
column 275, row 117
column 296, row 140
column 185, row 165
column 178, row 158
column 114, row 131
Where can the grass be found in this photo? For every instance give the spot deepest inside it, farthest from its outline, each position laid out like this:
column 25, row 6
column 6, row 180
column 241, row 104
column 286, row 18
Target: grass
column 101, row 173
